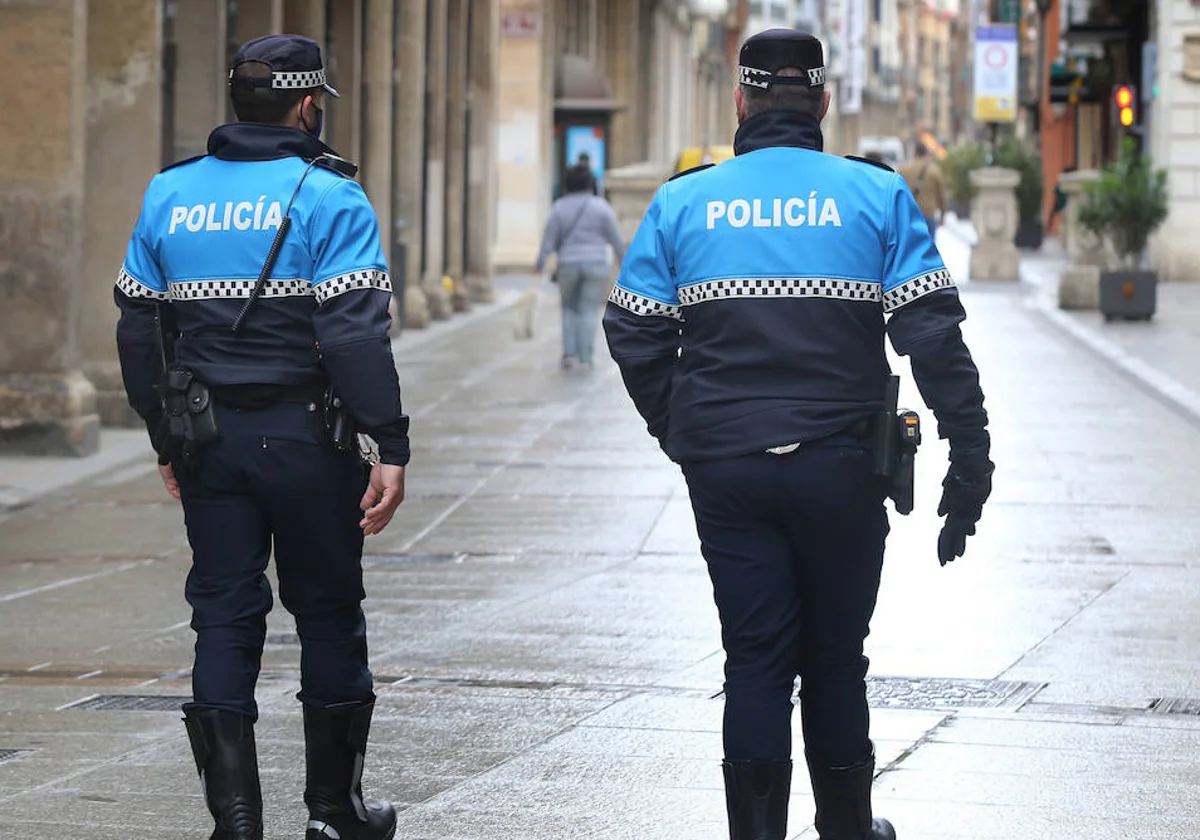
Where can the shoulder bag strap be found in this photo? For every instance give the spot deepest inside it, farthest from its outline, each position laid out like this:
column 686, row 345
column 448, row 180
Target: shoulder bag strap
column 574, row 224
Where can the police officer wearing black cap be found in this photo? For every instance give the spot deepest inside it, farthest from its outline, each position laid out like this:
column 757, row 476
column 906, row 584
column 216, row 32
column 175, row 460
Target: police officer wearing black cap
column 255, row 278
column 748, row 322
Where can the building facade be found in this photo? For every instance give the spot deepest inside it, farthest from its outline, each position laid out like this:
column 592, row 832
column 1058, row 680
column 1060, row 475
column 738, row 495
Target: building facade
column 1171, row 113
column 460, row 114
column 625, row 82
column 936, row 63
column 1091, row 46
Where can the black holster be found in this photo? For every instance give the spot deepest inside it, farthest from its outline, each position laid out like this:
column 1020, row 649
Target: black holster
column 188, row 418
column 896, row 435
column 339, row 424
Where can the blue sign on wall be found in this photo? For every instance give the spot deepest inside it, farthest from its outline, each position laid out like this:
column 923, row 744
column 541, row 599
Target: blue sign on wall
column 587, row 140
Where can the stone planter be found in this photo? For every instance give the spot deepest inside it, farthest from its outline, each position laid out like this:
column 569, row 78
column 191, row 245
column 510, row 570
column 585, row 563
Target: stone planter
column 1029, row 235
column 1079, row 280
column 1128, row 294
column 630, row 190
column 994, row 214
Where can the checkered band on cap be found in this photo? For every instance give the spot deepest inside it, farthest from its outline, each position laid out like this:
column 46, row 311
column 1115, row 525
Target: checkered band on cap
column 366, row 279
column 917, row 287
column 640, row 305
column 759, row 287
column 753, row 77
column 298, row 81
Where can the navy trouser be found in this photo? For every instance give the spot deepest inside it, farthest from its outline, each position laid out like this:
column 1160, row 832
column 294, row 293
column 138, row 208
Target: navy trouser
column 272, row 482
column 794, row 545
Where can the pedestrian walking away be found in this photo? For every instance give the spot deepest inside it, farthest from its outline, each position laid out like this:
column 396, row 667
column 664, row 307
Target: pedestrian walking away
column 256, row 291
column 748, row 322
column 924, row 177
column 580, row 229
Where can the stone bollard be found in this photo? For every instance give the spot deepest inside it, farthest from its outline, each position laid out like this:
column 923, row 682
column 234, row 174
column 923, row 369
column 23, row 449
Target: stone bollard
column 630, row 190
column 994, row 213
column 1079, row 280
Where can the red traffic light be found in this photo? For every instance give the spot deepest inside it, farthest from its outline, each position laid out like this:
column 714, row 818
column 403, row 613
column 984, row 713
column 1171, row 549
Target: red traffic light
column 1124, row 98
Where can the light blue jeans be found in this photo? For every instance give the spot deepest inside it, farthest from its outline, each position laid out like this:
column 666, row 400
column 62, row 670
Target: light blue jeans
column 584, row 287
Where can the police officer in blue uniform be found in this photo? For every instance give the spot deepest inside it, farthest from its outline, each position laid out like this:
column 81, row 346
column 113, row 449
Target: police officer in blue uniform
column 247, row 443
column 748, row 322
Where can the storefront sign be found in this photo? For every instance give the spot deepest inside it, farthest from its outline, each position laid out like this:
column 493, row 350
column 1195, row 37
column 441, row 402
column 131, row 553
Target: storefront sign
column 996, row 74
column 521, row 24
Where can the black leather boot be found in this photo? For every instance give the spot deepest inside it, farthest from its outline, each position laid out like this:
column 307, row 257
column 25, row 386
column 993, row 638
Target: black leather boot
column 843, row 796
column 756, row 796
column 223, row 745
column 336, row 742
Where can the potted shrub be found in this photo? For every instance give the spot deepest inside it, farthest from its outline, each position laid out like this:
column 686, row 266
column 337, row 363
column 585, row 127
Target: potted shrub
column 1124, row 207
column 1016, row 154
column 956, row 167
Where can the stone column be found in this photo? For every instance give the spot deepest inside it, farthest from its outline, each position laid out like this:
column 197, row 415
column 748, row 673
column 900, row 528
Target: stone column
column 481, row 176
column 376, row 175
column 377, row 156
column 456, row 149
column 306, row 17
column 124, row 150
column 524, row 115
column 631, row 189
column 47, row 406
column 409, row 149
column 435, row 160
column 343, row 58
column 255, row 18
column 201, row 74
column 994, row 212
column 1079, row 280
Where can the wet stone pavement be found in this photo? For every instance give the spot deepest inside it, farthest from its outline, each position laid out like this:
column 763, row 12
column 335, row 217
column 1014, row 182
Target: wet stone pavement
column 546, row 649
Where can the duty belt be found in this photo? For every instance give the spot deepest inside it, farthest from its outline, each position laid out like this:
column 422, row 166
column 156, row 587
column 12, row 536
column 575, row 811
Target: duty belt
column 252, row 396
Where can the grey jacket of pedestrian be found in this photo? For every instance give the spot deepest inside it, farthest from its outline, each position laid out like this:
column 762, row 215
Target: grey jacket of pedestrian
column 586, row 242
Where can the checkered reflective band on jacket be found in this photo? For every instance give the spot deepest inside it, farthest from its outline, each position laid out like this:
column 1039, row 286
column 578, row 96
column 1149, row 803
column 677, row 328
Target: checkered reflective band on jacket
column 202, row 238
column 204, row 232
column 753, row 302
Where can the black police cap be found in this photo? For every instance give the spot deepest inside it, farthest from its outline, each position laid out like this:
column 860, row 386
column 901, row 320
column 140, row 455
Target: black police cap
column 765, row 54
column 295, row 63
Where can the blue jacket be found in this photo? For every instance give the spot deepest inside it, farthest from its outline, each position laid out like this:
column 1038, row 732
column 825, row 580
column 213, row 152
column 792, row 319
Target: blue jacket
column 200, row 242
column 752, row 304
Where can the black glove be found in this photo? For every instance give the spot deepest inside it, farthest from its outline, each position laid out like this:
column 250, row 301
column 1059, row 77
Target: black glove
column 965, row 488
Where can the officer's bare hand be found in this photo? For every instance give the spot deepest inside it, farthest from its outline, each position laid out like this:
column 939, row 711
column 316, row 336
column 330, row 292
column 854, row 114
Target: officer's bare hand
column 168, row 477
column 384, row 494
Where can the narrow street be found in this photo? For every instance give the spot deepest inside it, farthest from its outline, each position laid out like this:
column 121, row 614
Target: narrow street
column 547, row 653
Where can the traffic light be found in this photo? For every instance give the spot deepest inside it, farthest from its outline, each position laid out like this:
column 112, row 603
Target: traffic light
column 1125, row 104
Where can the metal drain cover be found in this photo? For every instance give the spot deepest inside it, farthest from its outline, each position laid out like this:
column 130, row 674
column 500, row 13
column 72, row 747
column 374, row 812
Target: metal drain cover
column 9, row 755
column 130, row 703
column 937, row 693
column 1175, row 706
